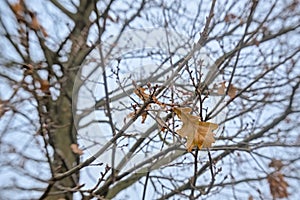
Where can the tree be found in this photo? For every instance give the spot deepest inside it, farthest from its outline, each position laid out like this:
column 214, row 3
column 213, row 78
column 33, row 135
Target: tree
column 149, row 99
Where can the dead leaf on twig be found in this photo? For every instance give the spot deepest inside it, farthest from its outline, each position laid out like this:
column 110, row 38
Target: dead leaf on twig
column 232, row 91
column 76, row 149
column 198, row 133
column 278, row 185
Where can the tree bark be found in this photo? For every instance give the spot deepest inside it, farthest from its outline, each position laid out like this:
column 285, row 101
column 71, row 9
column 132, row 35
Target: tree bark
column 63, row 136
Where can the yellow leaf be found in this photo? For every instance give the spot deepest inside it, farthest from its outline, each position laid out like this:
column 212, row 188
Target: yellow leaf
column 198, row 133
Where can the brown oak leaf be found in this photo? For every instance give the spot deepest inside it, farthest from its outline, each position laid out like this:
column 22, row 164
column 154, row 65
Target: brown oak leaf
column 278, row 185
column 198, row 133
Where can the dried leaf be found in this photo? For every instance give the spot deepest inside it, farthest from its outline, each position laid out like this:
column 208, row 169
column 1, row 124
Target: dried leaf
column 229, row 17
column 18, row 8
column 255, row 42
column 76, row 149
column 144, row 117
column 28, row 69
column 232, row 91
column 140, row 92
column 35, row 25
column 3, row 107
column 222, row 89
column 144, row 114
column 277, row 164
column 198, row 133
column 44, row 31
column 44, row 85
column 278, row 186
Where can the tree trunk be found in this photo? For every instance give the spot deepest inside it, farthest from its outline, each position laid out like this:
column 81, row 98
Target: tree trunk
column 63, row 136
